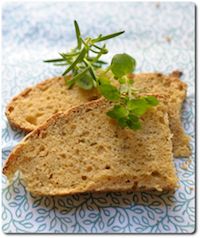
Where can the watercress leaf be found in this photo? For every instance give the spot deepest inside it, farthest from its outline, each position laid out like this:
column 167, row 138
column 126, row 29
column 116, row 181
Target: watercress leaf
column 138, row 106
column 104, row 80
column 122, row 80
column 133, row 124
column 110, row 92
column 122, row 122
column 133, row 117
column 152, row 100
column 117, row 112
column 122, row 64
column 130, row 81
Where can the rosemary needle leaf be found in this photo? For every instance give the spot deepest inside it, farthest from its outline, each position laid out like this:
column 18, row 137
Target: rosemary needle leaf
column 53, row 60
column 102, row 38
column 78, row 34
column 77, row 60
column 81, row 74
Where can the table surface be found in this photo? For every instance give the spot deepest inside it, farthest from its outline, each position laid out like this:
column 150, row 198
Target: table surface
column 161, row 38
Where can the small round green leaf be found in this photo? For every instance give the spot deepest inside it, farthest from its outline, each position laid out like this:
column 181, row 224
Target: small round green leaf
column 122, row 64
column 117, row 112
column 109, row 92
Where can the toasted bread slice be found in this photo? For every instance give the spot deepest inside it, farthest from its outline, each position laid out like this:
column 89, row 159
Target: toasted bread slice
column 35, row 105
column 176, row 89
column 83, row 150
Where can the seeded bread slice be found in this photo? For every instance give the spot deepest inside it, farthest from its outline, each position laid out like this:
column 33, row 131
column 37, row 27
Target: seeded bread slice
column 83, row 150
column 176, row 89
column 35, row 105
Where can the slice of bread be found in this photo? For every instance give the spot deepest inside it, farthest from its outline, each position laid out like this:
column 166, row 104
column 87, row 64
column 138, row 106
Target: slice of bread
column 35, row 105
column 176, row 89
column 84, row 150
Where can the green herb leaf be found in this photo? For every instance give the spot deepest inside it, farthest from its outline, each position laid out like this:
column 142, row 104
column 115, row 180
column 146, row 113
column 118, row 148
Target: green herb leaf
column 102, row 38
column 85, row 82
column 109, row 92
column 69, row 82
column 122, row 64
column 78, row 35
column 133, row 122
column 84, row 60
column 53, row 60
column 138, row 106
column 117, row 112
column 152, row 100
column 77, row 60
column 122, row 80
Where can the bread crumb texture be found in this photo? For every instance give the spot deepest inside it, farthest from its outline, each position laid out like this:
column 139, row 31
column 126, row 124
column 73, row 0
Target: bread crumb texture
column 83, row 150
column 35, row 105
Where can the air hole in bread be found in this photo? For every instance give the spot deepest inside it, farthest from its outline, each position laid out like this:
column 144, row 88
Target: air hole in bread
column 73, row 126
column 42, row 148
column 81, row 141
column 32, row 120
column 93, row 98
column 162, row 120
column 89, row 168
column 63, row 133
column 84, row 177
column 88, row 110
column 155, row 174
column 127, row 181
column 63, row 155
column 10, row 109
column 39, row 114
column 101, row 149
column 93, row 143
column 107, row 167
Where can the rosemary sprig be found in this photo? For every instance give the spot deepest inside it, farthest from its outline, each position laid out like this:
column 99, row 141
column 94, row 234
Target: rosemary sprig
column 83, row 62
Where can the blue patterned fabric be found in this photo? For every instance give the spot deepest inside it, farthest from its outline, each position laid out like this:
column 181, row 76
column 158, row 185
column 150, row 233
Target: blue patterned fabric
column 161, row 38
